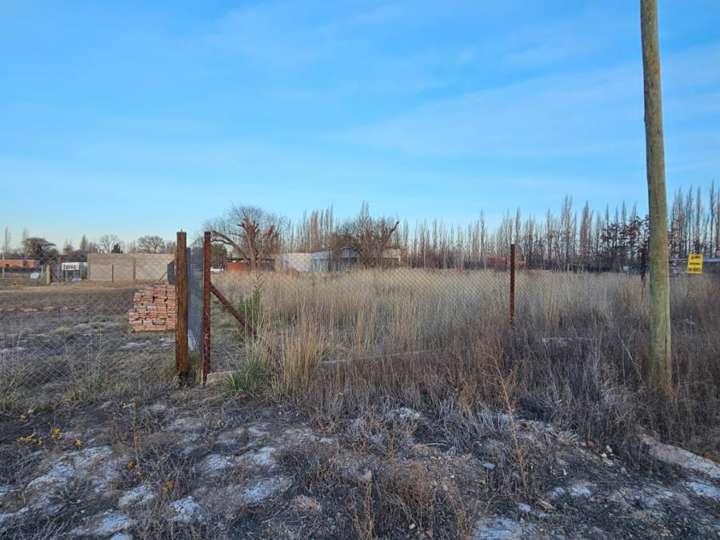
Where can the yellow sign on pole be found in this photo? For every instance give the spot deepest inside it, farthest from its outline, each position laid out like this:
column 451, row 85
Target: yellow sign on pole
column 695, row 263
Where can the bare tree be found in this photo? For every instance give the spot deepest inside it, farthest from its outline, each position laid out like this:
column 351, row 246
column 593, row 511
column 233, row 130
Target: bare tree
column 712, row 208
column 107, row 242
column 369, row 237
column 6, row 248
column 715, row 219
column 150, row 244
column 250, row 232
column 585, row 234
column 7, row 240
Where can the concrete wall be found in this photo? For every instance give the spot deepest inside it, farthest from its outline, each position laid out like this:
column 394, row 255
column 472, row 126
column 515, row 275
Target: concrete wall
column 100, row 271
column 129, row 267
column 300, row 262
column 152, row 266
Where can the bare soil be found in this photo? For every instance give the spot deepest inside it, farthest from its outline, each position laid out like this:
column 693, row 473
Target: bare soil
column 53, row 337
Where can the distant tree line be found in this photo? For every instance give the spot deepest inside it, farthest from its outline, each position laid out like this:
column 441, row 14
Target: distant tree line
column 38, row 248
column 573, row 238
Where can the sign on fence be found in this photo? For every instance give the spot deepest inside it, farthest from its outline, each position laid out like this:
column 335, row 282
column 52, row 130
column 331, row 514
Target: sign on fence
column 695, row 263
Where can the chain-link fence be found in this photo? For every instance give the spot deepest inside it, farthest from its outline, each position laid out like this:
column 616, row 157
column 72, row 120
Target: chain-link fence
column 340, row 313
column 195, row 265
column 113, row 334
column 317, row 315
column 85, row 340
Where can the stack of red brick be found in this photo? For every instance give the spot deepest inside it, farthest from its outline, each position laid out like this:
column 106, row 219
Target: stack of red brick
column 153, row 309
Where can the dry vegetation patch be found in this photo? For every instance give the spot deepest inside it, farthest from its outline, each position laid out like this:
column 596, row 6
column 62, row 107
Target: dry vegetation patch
column 394, row 404
column 339, row 343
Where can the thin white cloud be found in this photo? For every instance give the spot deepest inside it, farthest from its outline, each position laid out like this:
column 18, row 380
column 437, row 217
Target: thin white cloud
column 589, row 113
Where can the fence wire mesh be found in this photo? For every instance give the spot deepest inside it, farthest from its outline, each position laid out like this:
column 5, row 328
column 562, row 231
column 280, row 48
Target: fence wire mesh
column 355, row 313
column 85, row 340
column 76, row 339
column 195, row 299
column 306, row 319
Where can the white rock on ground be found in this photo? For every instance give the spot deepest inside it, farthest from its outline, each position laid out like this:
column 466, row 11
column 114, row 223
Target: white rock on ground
column 9, row 519
column 96, row 465
column 307, row 504
column 225, row 501
column 231, row 437
column 214, row 464
column 258, row 430
column 265, row 489
column 187, row 424
column 298, row 436
column 186, row 511
column 581, row 489
column 403, row 414
column 703, row 490
column 262, row 457
column 157, row 408
column 524, row 508
column 501, row 529
column 104, row 525
column 136, row 496
column 228, row 501
column 672, row 455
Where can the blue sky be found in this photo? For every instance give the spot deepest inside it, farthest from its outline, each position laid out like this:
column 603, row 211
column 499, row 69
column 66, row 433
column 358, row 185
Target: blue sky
column 145, row 117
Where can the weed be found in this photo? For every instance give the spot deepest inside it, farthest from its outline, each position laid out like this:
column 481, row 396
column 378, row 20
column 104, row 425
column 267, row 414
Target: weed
column 250, row 378
column 251, row 305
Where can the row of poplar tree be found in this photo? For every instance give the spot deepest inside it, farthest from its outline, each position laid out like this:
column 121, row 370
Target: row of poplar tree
column 573, row 238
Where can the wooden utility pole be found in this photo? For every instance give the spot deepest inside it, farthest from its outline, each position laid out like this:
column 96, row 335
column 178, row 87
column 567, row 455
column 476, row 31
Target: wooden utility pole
column 182, row 354
column 659, row 368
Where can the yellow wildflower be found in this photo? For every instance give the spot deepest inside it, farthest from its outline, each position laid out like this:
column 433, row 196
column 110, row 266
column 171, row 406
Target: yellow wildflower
column 27, row 439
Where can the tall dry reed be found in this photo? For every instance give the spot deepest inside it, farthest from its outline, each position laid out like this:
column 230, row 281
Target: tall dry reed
column 340, row 342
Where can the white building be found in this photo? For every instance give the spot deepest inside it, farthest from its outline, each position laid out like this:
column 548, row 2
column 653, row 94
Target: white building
column 307, row 262
column 326, row 261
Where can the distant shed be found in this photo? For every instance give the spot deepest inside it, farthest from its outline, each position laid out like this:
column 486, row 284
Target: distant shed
column 298, row 262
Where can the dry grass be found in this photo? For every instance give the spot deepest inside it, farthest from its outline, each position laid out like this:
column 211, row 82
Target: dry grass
column 384, row 499
column 339, row 343
column 99, row 373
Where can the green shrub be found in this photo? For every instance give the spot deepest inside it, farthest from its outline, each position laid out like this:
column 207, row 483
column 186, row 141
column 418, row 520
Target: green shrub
column 250, row 378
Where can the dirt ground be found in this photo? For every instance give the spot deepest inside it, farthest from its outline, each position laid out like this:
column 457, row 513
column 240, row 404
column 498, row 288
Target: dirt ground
column 52, row 337
column 201, row 463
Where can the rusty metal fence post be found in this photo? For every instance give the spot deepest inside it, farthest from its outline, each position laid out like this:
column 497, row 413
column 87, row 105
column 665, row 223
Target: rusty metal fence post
column 512, row 283
column 207, row 262
column 182, row 353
